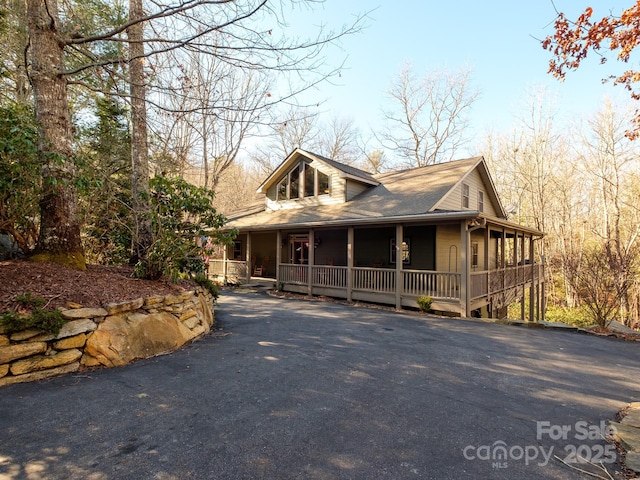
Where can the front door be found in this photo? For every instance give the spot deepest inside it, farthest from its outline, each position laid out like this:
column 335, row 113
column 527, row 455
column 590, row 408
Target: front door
column 299, row 249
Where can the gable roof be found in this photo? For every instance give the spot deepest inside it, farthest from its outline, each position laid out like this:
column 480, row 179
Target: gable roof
column 413, row 194
column 346, row 171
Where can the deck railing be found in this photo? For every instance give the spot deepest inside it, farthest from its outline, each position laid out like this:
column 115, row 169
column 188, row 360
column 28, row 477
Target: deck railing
column 432, row 284
column 488, row 282
column 294, row 274
column 381, row 280
column 443, row 285
column 235, row 269
column 329, row 276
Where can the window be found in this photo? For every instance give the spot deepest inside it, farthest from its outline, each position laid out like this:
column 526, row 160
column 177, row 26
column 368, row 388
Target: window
column 309, row 180
column 302, row 181
column 237, row 249
column 282, row 188
column 294, row 183
column 465, row 195
column 474, row 255
column 323, row 183
column 405, row 251
column 480, row 201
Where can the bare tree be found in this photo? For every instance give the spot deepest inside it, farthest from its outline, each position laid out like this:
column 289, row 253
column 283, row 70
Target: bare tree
column 428, row 122
column 14, row 84
column 339, row 140
column 611, row 160
column 142, row 236
column 233, row 31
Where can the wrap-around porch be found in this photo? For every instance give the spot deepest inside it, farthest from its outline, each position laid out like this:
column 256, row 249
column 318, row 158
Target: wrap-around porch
column 467, row 268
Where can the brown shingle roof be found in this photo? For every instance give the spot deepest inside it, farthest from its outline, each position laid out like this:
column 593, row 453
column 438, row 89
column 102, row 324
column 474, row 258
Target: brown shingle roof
column 404, row 193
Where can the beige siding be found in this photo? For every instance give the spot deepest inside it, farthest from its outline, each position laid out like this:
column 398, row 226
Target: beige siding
column 453, row 201
column 336, row 195
column 354, row 188
column 448, row 248
column 271, row 192
column 478, row 237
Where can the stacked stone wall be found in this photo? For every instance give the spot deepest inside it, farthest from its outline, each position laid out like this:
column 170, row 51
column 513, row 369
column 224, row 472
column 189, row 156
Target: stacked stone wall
column 111, row 336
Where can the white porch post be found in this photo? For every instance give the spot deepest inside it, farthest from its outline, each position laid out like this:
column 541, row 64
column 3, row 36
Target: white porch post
column 465, row 277
column 312, row 259
column 350, row 237
column 248, row 257
column 399, row 262
column 278, row 257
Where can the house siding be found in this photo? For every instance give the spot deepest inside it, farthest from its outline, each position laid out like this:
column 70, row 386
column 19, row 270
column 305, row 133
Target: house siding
column 422, row 247
column 332, row 247
column 478, row 237
column 353, row 189
column 453, row 201
column 448, row 245
column 372, row 245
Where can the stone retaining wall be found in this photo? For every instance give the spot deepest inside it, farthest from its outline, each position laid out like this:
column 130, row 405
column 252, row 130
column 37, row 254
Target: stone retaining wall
column 111, row 336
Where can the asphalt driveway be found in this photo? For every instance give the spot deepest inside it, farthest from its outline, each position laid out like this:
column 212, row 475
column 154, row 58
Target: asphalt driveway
column 314, row 390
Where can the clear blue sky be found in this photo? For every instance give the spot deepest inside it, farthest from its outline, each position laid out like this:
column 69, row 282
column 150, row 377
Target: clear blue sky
column 495, row 39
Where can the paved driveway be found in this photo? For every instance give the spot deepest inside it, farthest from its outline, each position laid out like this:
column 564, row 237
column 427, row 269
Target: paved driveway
column 312, row 390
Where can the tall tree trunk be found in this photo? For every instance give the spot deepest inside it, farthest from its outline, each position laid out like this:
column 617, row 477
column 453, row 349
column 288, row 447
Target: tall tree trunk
column 59, row 238
column 143, row 237
column 205, row 152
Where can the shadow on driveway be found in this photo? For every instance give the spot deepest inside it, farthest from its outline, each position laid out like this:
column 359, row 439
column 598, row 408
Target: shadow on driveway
column 313, row 390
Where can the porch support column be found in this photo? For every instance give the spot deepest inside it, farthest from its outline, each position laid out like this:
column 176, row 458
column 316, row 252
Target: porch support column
column 278, row 257
column 543, row 295
column 465, row 278
column 350, row 264
column 532, row 292
column 486, row 267
column 312, row 259
column 248, row 255
column 399, row 262
column 523, row 264
column 224, row 264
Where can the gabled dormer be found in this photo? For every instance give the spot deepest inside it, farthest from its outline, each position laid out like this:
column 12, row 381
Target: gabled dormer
column 306, row 179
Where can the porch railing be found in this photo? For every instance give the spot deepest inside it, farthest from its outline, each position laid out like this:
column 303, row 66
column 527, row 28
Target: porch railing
column 381, row 280
column 236, row 269
column 329, row 276
column 295, row 274
column 432, row 284
column 488, row 282
column 443, row 285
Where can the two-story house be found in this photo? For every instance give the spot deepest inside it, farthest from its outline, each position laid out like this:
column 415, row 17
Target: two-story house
column 325, row 228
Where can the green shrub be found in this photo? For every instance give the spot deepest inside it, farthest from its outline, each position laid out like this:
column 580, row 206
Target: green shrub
column 424, row 303
column 50, row 321
column 183, row 220
column 578, row 317
column 208, row 284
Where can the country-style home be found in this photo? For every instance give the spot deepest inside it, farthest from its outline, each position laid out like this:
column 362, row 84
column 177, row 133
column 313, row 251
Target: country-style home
column 326, row 228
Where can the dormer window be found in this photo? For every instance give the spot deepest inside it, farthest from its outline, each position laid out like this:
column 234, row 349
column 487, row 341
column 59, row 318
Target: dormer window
column 309, row 180
column 323, row 183
column 303, row 181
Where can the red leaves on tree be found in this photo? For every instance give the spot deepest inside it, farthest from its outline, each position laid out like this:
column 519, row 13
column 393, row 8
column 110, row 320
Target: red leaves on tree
column 572, row 41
